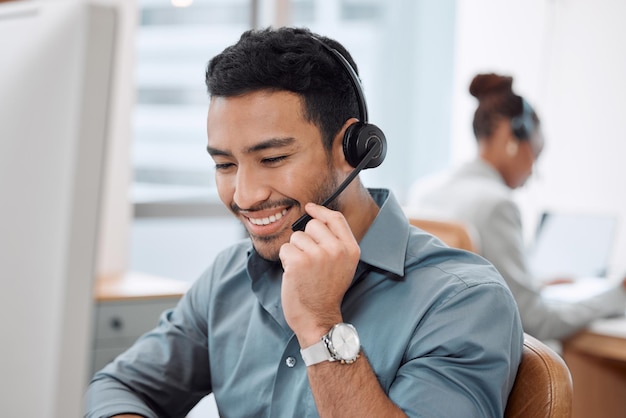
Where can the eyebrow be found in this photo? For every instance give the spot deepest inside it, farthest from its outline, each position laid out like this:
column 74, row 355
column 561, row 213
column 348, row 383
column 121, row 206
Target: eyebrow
column 268, row 144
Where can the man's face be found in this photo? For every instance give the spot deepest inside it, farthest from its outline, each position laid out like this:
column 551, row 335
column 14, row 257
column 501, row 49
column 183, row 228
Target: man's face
column 269, row 162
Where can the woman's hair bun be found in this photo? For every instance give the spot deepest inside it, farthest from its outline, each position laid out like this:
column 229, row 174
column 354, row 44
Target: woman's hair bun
column 487, row 84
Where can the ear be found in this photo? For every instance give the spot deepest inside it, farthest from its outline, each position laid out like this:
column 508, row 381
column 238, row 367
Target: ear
column 339, row 158
column 511, row 148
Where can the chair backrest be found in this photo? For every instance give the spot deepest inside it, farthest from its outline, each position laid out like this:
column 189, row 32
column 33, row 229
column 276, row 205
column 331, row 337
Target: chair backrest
column 543, row 386
column 455, row 234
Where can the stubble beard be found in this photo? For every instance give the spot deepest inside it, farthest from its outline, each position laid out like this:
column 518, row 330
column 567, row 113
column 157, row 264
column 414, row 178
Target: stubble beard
column 268, row 246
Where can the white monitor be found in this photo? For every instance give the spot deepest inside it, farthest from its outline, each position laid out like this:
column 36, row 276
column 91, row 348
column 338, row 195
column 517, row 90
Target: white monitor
column 573, row 245
column 56, row 71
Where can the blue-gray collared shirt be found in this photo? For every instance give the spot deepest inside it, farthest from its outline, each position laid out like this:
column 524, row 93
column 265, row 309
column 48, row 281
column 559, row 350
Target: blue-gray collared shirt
column 438, row 325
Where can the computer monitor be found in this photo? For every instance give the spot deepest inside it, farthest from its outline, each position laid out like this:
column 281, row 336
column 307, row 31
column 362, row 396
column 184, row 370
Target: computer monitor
column 572, row 245
column 56, row 79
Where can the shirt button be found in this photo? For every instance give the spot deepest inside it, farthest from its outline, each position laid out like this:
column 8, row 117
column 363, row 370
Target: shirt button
column 290, row 362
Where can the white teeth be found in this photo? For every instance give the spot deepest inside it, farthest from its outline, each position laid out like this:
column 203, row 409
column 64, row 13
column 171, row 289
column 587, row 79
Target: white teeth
column 268, row 220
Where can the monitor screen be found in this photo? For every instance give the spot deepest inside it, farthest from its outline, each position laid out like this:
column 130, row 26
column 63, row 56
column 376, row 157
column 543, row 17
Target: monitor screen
column 572, row 245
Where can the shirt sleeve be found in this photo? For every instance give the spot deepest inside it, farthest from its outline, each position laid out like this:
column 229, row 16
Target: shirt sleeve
column 463, row 359
column 165, row 373
column 502, row 245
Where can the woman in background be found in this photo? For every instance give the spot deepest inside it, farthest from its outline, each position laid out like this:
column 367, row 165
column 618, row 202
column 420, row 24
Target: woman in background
column 479, row 194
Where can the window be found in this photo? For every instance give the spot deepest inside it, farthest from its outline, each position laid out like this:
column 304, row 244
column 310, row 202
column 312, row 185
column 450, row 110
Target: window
column 173, row 48
column 178, row 217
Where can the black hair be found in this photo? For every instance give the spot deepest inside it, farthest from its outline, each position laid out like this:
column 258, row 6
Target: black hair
column 289, row 59
column 496, row 100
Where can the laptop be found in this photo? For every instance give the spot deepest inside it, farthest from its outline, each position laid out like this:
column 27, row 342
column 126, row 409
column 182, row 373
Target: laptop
column 576, row 246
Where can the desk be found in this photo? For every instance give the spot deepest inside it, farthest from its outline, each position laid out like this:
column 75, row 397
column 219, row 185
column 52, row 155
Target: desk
column 137, row 286
column 596, row 358
column 127, row 306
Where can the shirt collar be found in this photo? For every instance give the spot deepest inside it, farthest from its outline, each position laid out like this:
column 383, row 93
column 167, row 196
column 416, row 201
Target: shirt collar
column 385, row 242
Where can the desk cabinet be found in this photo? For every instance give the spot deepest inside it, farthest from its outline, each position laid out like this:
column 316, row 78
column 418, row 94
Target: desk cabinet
column 118, row 324
column 127, row 306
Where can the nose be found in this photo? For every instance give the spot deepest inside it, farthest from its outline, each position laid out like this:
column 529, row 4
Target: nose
column 251, row 188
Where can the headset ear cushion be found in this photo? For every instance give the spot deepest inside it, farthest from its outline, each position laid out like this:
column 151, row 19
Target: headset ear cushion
column 359, row 139
column 521, row 126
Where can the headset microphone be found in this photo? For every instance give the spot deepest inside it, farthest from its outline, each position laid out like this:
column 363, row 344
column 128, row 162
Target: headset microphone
column 300, row 224
column 364, row 144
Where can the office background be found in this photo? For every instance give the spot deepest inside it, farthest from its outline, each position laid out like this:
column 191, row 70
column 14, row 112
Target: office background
column 416, row 60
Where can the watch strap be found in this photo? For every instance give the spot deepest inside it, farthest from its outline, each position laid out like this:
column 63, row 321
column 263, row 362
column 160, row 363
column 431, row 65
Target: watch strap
column 316, row 353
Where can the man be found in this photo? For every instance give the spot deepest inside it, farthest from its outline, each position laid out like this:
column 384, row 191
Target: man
column 357, row 315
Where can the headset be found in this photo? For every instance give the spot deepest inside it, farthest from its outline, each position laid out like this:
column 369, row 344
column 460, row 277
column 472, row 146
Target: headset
column 523, row 125
column 361, row 136
column 364, row 144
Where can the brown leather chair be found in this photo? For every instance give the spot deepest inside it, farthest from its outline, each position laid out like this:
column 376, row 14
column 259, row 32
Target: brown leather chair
column 454, row 234
column 543, row 386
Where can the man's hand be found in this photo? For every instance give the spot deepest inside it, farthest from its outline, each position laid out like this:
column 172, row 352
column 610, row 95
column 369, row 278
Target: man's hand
column 319, row 266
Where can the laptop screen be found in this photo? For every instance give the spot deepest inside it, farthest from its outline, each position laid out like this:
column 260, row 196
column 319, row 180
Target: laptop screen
column 572, row 245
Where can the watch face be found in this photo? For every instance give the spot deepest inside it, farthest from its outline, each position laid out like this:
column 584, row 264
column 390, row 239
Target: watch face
column 345, row 342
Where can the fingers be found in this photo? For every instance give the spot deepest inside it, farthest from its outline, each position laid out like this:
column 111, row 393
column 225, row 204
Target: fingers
column 334, row 221
column 326, row 237
column 287, row 253
column 317, row 244
column 328, row 232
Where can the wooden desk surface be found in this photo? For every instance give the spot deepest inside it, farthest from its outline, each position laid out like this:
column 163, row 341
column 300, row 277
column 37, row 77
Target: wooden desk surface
column 137, row 286
column 604, row 338
column 596, row 358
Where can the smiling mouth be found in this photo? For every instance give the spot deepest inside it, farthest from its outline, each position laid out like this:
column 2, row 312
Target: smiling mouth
column 269, row 220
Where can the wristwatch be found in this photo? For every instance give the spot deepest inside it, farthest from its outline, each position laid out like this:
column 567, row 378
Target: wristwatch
column 340, row 344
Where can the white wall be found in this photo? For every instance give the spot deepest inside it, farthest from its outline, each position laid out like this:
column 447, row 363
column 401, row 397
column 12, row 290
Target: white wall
column 56, row 129
column 568, row 60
